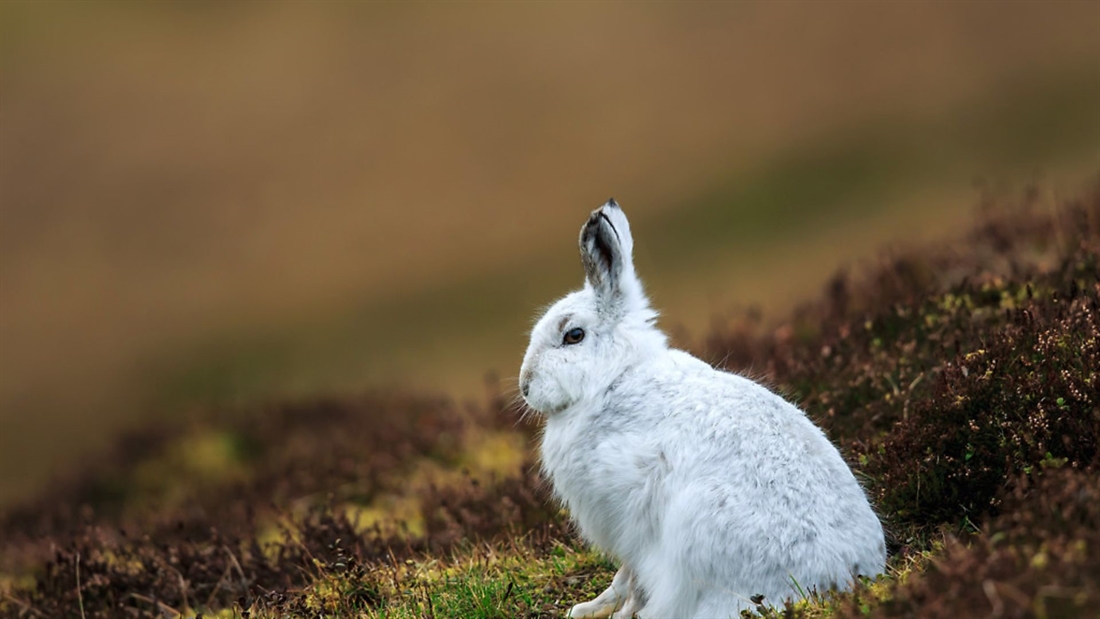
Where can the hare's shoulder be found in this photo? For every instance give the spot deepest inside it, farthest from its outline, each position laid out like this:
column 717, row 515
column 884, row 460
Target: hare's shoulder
column 685, row 384
column 718, row 411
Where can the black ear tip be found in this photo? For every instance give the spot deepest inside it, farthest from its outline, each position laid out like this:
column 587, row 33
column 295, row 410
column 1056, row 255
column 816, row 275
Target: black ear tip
column 612, row 203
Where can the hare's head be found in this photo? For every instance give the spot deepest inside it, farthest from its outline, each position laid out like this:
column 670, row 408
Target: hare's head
column 586, row 340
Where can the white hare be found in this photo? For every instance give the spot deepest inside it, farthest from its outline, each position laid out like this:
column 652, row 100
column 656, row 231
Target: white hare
column 709, row 489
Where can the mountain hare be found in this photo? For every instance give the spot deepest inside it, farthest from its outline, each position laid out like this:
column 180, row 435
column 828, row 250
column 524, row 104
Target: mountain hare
column 708, row 488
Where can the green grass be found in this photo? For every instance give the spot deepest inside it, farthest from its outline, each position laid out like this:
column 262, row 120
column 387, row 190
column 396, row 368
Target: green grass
column 500, row 583
column 515, row 580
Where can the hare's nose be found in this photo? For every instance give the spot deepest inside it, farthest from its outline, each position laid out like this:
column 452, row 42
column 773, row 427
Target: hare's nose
column 525, row 382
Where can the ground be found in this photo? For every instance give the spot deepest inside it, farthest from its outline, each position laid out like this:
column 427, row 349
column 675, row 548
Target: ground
column 960, row 381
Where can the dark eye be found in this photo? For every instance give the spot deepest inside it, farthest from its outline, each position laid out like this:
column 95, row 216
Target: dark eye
column 573, row 336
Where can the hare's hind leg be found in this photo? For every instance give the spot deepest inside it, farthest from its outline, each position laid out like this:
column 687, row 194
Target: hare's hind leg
column 610, row 600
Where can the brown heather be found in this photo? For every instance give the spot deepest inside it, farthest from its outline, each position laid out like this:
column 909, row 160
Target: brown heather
column 947, row 375
column 963, row 383
column 1039, row 557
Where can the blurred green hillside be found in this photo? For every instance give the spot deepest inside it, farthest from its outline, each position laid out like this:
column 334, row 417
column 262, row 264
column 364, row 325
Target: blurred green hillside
column 217, row 203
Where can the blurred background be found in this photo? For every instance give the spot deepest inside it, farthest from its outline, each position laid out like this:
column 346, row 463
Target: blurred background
column 207, row 203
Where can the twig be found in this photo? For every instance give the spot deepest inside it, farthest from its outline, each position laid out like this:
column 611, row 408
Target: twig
column 317, row 565
column 431, row 607
column 183, row 588
column 79, row 595
column 236, row 564
column 393, row 562
column 164, row 608
column 25, row 606
column 217, row 587
column 990, row 590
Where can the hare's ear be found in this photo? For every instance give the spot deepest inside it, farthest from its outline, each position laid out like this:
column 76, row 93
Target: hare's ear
column 606, row 248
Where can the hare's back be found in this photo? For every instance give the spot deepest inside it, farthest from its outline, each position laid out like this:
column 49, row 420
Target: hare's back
column 724, row 415
column 736, row 432
column 745, row 450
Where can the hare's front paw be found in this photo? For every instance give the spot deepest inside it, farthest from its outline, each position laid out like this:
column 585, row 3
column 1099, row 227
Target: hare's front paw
column 594, row 609
column 632, row 605
column 611, row 600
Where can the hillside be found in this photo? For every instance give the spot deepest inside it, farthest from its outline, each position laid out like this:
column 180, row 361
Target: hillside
column 216, row 203
column 961, row 382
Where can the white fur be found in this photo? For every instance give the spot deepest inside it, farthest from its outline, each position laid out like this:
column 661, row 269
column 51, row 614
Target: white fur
column 706, row 486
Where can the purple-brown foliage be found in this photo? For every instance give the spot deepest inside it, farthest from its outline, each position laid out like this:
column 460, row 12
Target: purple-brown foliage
column 1039, row 557
column 962, row 382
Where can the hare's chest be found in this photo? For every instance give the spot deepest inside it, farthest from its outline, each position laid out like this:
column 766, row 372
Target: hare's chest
column 606, row 479
column 575, row 459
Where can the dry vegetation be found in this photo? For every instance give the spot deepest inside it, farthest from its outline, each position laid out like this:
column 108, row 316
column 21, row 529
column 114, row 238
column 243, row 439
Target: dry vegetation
column 223, row 200
column 961, row 381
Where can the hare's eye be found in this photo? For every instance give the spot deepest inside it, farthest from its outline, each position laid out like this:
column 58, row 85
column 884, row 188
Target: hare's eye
column 573, row 336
